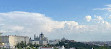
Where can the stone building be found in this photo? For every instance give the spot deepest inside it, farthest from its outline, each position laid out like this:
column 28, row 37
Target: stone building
column 53, row 42
column 45, row 48
column 41, row 40
column 11, row 41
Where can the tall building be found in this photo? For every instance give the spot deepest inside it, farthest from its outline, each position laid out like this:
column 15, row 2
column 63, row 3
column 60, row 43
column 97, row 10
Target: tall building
column 11, row 41
column 41, row 40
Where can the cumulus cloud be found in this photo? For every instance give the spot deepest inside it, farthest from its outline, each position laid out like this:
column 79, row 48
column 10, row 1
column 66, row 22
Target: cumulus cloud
column 88, row 18
column 18, row 21
column 107, row 10
column 28, row 23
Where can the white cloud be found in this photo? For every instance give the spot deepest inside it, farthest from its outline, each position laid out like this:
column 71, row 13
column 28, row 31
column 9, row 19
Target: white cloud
column 99, row 18
column 107, row 8
column 109, row 16
column 109, row 5
column 88, row 18
column 18, row 21
column 17, row 28
column 27, row 23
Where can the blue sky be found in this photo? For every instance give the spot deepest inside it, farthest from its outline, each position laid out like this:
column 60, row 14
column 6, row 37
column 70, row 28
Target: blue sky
column 56, row 9
column 73, row 19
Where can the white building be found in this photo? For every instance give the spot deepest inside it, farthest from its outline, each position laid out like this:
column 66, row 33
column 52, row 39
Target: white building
column 41, row 40
column 54, row 41
column 35, row 42
column 72, row 48
column 11, row 41
column 46, row 48
column 62, row 47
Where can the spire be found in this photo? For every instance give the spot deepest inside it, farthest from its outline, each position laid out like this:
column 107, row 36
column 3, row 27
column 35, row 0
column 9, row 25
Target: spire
column 34, row 36
column 41, row 33
column 30, row 38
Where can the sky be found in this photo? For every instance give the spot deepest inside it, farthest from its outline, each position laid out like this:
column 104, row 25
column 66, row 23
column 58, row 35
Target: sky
column 80, row 20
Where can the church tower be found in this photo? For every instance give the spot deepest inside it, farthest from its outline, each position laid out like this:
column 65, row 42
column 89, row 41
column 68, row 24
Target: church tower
column 34, row 36
column 41, row 35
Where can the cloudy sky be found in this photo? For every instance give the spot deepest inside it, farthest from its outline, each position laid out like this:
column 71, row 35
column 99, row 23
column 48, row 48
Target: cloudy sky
column 80, row 20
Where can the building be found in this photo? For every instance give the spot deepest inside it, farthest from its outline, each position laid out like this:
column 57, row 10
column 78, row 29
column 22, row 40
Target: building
column 54, row 41
column 64, row 39
column 62, row 47
column 46, row 48
column 73, row 48
column 41, row 40
column 11, row 41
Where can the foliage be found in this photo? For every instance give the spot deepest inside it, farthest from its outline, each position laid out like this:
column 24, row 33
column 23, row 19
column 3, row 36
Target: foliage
column 79, row 45
column 66, row 44
column 26, row 46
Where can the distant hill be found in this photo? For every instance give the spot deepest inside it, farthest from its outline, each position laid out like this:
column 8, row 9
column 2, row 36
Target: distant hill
column 79, row 45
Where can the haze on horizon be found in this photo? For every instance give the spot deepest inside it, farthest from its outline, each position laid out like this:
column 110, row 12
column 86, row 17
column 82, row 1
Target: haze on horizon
column 80, row 20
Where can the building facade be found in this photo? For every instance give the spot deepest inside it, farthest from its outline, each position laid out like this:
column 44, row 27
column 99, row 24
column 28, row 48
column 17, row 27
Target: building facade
column 54, row 41
column 11, row 41
column 41, row 40
column 45, row 48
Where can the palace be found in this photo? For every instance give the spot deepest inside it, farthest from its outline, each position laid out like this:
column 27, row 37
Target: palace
column 11, row 40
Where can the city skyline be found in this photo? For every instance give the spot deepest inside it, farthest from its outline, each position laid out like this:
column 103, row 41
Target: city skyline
column 72, row 19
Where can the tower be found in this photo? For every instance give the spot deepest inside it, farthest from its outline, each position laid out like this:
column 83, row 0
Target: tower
column 34, row 36
column 41, row 35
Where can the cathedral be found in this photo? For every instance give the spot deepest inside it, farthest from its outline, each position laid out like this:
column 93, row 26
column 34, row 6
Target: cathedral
column 40, row 40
